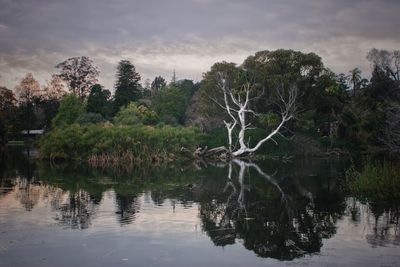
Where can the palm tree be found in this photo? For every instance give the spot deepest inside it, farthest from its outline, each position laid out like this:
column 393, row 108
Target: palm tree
column 355, row 79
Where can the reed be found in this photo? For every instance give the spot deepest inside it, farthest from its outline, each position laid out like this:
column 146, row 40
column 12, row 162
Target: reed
column 118, row 145
column 377, row 181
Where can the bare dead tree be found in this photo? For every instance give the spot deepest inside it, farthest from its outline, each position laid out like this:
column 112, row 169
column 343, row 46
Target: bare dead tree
column 237, row 105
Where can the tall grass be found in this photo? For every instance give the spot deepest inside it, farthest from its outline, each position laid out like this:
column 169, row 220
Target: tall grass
column 114, row 145
column 378, row 181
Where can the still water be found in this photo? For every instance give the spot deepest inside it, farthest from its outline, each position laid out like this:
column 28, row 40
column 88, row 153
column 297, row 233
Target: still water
column 240, row 214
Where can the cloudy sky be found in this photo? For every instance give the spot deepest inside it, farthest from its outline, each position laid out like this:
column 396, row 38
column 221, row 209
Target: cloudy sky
column 159, row 36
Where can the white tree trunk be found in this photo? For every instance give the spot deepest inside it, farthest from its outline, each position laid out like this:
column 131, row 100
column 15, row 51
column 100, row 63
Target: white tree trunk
column 238, row 108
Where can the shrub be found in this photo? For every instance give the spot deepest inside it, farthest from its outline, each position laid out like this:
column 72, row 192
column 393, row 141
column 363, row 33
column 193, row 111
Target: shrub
column 134, row 114
column 70, row 109
column 376, row 182
column 139, row 142
column 88, row 118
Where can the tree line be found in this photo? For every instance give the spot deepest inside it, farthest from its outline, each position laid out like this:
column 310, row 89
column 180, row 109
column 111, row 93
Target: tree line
column 333, row 111
column 75, row 94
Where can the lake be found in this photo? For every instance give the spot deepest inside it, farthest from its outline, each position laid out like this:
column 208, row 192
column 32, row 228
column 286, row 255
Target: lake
column 268, row 213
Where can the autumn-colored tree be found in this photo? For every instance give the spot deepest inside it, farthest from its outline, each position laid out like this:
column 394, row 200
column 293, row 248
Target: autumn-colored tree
column 54, row 88
column 26, row 92
column 80, row 74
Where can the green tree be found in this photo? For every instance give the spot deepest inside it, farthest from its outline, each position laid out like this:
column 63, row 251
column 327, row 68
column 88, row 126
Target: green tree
column 208, row 109
column 70, row 109
column 7, row 111
column 157, row 84
column 134, row 114
column 355, row 79
column 89, row 118
column 127, row 87
column 283, row 68
column 171, row 102
column 98, row 100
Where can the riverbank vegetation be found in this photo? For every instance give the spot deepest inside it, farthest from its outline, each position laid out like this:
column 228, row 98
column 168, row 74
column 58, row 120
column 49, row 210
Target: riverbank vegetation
column 107, row 144
column 280, row 102
column 376, row 182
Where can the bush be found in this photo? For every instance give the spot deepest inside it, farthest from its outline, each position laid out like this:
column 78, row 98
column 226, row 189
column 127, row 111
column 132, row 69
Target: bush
column 376, row 182
column 88, row 118
column 70, row 109
column 140, row 142
column 134, row 114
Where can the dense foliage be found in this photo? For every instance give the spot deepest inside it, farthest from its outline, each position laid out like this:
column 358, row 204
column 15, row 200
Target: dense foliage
column 99, row 101
column 376, row 182
column 70, row 109
column 134, row 114
column 337, row 112
column 127, row 85
column 107, row 142
column 171, row 102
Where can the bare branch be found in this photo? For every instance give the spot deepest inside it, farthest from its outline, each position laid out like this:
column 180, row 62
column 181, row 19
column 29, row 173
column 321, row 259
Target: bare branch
column 286, row 103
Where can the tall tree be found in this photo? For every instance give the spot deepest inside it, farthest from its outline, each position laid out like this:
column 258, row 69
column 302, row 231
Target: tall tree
column 79, row 73
column 146, row 88
column 52, row 93
column 7, row 110
column 355, row 79
column 54, row 88
column 172, row 101
column 210, row 113
column 127, row 87
column 386, row 61
column 98, row 100
column 237, row 105
column 158, row 83
column 27, row 91
column 286, row 67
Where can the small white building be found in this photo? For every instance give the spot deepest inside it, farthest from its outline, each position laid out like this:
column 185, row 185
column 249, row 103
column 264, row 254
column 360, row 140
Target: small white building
column 32, row 132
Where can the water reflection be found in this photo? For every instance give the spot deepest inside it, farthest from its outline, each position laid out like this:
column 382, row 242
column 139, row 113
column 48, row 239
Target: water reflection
column 127, row 207
column 280, row 211
column 278, row 220
column 77, row 212
column 382, row 221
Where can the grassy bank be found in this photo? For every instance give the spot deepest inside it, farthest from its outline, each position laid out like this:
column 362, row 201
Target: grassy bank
column 376, row 182
column 107, row 144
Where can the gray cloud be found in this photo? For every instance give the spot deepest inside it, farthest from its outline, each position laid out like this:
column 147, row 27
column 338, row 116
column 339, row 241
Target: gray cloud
column 188, row 36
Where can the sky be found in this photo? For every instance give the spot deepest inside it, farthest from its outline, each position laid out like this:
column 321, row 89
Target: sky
column 188, row 36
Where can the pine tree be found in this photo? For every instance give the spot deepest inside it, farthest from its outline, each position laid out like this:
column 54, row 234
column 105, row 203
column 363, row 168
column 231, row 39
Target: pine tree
column 127, row 87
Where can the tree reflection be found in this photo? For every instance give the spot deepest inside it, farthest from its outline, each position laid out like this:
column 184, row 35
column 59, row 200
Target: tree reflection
column 383, row 221
column 271, row 221
column 127, row 207
column 276, row 210
column 77, row 212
